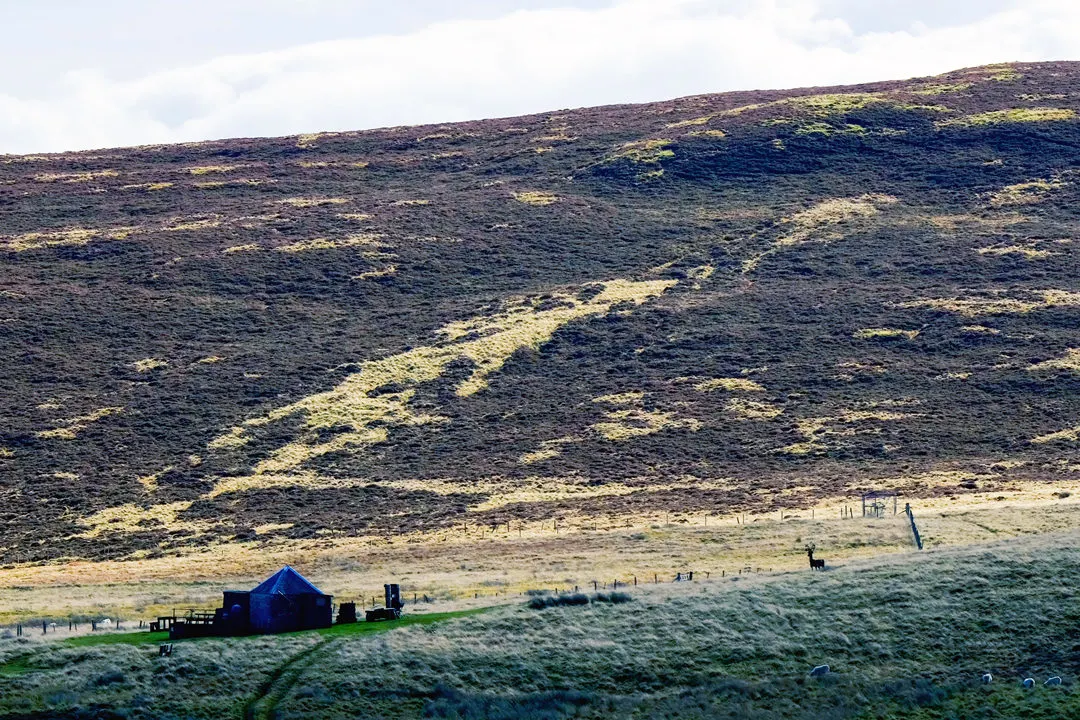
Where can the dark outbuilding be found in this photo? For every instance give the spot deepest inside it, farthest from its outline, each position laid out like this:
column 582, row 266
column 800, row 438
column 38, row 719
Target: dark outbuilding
column 288, row 601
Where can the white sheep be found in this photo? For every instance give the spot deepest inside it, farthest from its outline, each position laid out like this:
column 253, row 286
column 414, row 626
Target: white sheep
column 1053, row 681
column 819, row 671
column 987, row 678
column 1029, row 682
column 105, row 623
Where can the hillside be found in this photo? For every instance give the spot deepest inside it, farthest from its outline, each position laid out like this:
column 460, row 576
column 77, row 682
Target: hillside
column 723, row 303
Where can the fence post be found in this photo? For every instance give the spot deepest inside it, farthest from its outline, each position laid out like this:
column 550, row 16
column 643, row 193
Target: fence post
column 914, row 528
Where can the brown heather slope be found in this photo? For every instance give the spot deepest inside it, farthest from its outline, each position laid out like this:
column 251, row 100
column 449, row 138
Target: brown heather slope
column 713, row 304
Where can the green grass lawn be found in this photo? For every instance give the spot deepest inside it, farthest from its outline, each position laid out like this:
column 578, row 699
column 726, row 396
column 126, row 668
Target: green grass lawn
column 347, row 630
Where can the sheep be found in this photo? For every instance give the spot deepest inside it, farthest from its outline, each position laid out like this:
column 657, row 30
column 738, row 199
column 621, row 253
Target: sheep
column 1029, row 683
column 987, row 678
column 1053, row 681
column 819, row 671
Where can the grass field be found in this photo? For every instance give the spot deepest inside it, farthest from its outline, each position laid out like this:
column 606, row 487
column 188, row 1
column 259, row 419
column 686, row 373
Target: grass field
column 907, row 635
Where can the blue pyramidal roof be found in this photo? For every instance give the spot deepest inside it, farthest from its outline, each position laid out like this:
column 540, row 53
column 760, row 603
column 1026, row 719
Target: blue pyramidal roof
column 287, row 581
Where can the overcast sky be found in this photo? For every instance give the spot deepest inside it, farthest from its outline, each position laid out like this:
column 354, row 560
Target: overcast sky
column 76, row 74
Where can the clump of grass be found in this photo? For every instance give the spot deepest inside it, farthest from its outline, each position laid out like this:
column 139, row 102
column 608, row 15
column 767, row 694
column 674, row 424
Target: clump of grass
column 1070, row 361
column 307, row 202
column 708, row 133
column 63, row 238
column 730, row 384
column 69, row 428
column 1025, row 193
column 76, row 177
column 1066, row 435
column 1011, row 115
column 643, row 152
column 358, row 240
column 373, row 274
column 939, row 88
column 209, row 169
column 148, row 364
column 1031, row 253
column 826, row 130
column 149, row 187
column 752, row 410
column 249, row 247
column 577, row 600
column 885, row 333
column 997, row 305
column 536, row 197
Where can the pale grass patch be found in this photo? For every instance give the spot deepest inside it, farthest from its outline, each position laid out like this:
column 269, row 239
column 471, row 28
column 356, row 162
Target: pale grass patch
column 643, row 152
column 1067, row 435
column 980, row 330
column 729, row 384
column 209, row 169
column 76, row 177
column 939, row 88
column 1026, row 193
column 150, row 482
column 192, row 224
column 271, row 528
column 307, row 202
column 539, row 455
column 210, row 360
column 1069, row 361
column 148, row 364
column 410, row 203
column 815, row 429
column 536, row 197
column 953, row 376
column 874, row 333
column 131, row 518
column 543, row 149
column 6, row 452
column 1012, row 115
column 358, row 217
column 373, row 274
column 1031, row 253
column 708, row 133
column 250, row 247
column 825, row 222
column 359, row 240
column 626, row 398
column 63, row 238
column 975, row 307
column 307, row 141
column 214, row 184
column 487, row 341
column 691, row 122
column 752, row 410
column 69, row 428
column 952, row 223
column 149, row 187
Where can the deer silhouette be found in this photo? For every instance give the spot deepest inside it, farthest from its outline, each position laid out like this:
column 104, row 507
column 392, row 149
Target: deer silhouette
column 814, row 564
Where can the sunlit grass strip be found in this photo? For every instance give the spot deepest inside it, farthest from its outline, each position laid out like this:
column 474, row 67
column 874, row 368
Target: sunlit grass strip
column 366, row 414
column 1011, row 115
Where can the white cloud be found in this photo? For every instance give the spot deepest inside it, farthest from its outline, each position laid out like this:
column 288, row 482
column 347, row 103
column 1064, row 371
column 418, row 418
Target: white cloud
column 525, row 61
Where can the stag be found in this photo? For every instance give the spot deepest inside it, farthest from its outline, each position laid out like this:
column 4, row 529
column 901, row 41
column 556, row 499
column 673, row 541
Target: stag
column 814, row 564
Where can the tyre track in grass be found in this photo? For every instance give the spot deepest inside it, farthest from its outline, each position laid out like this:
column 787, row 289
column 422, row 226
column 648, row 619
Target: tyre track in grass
column 283, row 679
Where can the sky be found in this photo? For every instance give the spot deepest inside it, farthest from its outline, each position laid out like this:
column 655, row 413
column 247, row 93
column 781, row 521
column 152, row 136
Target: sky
column 80, row 75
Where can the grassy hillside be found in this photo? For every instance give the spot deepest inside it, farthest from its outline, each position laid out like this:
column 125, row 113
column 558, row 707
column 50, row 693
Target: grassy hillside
column 906, row 636
column 716, row 304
